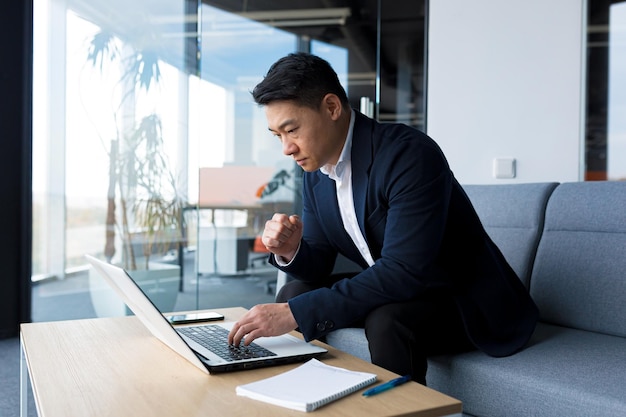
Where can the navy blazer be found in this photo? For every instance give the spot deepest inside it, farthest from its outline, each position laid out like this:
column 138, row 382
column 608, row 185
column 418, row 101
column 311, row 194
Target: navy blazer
column 423, row 234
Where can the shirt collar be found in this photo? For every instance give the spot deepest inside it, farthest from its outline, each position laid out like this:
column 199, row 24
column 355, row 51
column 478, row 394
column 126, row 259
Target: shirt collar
column 337, row 171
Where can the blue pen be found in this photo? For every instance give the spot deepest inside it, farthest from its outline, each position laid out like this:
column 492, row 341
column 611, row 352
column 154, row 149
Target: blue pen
column 387, row 385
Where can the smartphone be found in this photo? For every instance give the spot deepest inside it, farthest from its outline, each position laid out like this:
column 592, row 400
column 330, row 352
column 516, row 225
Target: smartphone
column 195, row 317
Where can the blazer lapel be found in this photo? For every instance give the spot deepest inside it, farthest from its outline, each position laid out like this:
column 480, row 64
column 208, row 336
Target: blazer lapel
column 326, row 193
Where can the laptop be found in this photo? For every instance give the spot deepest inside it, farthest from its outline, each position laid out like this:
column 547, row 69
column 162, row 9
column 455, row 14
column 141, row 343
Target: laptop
column 189, row 341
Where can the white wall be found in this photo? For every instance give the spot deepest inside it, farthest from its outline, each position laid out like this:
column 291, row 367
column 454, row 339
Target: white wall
column 505, row 80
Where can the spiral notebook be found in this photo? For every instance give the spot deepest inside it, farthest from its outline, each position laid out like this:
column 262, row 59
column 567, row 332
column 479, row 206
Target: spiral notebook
column 307, row 387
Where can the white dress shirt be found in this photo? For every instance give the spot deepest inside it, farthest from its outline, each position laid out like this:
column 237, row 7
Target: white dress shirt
column 342, row 175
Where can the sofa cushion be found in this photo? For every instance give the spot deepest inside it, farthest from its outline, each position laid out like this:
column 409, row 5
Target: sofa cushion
column 579, row 276
column 351, row 340
column 513, row 216
column 563, row 372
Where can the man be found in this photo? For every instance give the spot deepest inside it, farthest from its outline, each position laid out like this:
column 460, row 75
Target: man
column 384, row 196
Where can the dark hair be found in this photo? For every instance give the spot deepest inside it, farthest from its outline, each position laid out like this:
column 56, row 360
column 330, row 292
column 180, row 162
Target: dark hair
column 302, row 78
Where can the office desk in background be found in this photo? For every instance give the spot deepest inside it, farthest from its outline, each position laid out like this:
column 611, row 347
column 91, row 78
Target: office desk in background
column 223, row 246
column 115, row 367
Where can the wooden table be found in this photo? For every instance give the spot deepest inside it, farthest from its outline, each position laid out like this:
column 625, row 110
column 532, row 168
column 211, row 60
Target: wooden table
column 115, row 367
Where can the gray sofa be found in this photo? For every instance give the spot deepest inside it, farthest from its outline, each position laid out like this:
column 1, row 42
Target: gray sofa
column 567, row 242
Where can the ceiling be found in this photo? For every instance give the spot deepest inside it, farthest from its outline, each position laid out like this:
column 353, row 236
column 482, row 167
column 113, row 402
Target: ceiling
column 358, row 33
column 401, row 37
column 402, row 29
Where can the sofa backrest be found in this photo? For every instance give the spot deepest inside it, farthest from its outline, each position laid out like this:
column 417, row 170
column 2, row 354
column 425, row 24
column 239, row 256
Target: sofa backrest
column 513, row 216
column 579, row 275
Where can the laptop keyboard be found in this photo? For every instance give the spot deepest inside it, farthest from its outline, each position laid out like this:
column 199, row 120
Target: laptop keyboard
column 215, row 338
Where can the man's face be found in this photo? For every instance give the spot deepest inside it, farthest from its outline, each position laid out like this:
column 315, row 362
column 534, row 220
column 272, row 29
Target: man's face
column 312, row 138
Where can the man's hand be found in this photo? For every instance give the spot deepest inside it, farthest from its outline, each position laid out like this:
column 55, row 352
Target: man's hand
column 282, row 235
column 262, row 320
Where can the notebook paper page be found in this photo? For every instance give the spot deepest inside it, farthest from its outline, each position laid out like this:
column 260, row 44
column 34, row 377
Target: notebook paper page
column 307, row 387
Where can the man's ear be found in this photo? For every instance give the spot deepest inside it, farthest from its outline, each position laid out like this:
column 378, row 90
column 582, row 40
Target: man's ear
column 332, row 106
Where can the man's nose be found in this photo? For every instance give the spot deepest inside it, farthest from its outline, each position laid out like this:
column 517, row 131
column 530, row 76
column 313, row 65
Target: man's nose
column 289, row 148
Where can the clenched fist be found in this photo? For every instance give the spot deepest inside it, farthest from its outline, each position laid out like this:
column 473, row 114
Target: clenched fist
column 282, row 235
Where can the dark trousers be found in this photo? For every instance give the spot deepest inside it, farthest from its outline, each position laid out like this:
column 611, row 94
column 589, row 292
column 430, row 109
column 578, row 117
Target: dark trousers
column 401, row 336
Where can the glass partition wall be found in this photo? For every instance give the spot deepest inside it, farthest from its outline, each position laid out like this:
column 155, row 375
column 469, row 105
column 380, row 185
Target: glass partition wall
column 150, row 153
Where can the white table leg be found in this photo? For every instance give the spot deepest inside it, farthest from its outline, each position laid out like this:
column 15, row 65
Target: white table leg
column 23, row 383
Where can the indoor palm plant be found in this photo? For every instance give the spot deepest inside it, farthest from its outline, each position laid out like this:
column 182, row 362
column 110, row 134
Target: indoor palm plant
column 144, row 205
column 150, row 206
column 141, row 184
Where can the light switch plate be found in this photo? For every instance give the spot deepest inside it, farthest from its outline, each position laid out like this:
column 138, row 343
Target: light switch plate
column 504, row 168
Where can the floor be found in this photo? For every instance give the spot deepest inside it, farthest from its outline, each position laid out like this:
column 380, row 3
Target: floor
column 69, row 299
